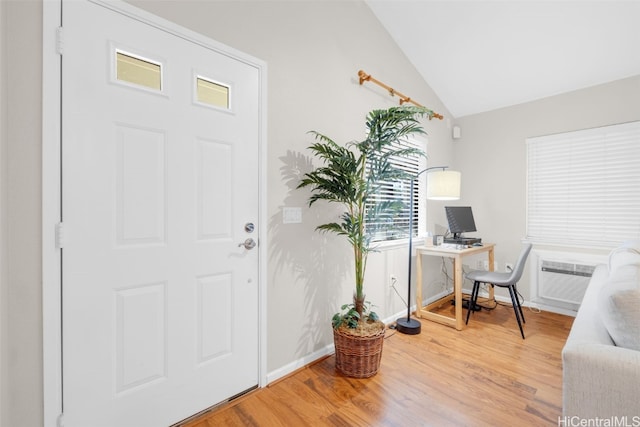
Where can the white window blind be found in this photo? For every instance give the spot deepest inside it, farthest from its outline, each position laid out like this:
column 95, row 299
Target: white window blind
column 584, row 186
column 396, row 225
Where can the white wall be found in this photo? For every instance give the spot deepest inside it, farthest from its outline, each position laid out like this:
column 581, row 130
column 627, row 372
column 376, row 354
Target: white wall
column 314, row 51
column 492, row 154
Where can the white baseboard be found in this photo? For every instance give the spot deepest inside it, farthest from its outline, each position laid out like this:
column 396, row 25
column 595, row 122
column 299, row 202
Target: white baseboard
column 531, row 304
column 540, row 306
column 551, row 309
column 300, row 363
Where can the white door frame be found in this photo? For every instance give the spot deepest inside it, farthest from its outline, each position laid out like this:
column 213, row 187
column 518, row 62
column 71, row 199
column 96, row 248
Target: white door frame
column 52, row 188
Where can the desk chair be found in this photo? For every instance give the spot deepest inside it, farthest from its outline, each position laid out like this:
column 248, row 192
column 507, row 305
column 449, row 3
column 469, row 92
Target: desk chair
column 505, row 280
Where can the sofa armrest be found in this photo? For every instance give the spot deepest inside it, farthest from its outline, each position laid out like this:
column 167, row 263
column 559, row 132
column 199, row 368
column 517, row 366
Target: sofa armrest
column 587, row 326
column 600, row 380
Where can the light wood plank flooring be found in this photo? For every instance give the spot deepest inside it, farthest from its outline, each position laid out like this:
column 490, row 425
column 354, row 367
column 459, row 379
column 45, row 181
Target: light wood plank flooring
column 484, row 375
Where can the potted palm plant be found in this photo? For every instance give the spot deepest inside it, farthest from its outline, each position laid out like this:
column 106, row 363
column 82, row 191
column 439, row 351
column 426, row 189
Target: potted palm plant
column 352, row 175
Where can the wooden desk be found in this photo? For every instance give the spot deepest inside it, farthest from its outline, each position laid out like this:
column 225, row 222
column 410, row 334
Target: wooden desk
column 457, row 255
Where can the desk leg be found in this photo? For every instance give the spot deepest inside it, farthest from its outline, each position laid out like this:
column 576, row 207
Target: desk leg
column 491, row 263
column 457, row 290
column 418, row 284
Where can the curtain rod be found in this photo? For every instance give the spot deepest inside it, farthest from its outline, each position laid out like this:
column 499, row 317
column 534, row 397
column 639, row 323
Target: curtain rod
column 364, row 77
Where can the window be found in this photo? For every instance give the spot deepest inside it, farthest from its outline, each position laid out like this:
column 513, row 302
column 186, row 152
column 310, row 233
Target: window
column 212, row 93
column 584, row 186
column 396, row 225
column 138, row 71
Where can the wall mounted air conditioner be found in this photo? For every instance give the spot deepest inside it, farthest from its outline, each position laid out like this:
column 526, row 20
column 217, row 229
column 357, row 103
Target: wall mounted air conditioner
column 564, row 281
column 560, row 279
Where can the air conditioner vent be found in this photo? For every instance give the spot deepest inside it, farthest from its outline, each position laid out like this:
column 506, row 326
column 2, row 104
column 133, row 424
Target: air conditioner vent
column 567, row 268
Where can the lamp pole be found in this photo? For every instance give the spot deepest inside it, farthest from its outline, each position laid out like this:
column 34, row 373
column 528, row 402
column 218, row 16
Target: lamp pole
column 411, row 326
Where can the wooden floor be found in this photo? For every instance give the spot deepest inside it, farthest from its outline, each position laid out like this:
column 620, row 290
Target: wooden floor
column 484, row 375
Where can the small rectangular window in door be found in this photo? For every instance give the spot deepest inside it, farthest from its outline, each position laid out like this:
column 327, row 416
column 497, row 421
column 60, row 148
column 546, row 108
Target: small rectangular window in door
column 138, row 71
column 212, row 93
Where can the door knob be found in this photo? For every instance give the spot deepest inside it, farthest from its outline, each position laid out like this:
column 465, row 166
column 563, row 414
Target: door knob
column 248, row 244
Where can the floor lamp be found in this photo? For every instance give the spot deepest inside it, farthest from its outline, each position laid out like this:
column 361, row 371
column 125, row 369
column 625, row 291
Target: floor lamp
column 441, row 185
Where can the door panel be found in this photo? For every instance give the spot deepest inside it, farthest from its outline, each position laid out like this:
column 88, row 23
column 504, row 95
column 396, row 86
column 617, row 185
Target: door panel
column 160, row 304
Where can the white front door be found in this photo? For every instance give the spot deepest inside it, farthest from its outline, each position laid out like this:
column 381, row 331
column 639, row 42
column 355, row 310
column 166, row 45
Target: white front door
column 160, row 146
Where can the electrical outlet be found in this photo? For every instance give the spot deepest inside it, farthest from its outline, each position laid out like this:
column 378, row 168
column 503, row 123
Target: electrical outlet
column 485, row 265
column 480, row 265
column 508, row 267
column 393, row 279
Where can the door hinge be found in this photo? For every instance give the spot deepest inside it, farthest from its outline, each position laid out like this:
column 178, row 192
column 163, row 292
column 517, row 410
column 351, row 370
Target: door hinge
column 59, row 40
column 60, row 421
column 60, row 238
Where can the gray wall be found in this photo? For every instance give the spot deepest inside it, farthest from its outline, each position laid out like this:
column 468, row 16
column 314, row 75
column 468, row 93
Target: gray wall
column 4, row 331
column 492, row 154
column 20, row 212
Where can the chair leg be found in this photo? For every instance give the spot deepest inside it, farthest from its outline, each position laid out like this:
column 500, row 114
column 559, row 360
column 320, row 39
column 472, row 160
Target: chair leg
column 519, row 305
column 516, row 305
column 472, row 300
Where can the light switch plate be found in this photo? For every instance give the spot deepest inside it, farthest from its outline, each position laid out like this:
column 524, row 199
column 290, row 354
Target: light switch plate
column 291, row 215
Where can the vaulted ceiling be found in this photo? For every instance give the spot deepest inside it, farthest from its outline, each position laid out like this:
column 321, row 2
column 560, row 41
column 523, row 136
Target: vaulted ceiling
column 484, row 55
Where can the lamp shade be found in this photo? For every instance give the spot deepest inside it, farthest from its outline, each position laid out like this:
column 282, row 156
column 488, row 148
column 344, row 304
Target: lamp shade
column 443, row 185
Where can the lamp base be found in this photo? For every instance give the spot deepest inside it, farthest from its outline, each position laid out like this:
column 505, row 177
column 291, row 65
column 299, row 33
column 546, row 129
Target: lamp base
column 408, row 326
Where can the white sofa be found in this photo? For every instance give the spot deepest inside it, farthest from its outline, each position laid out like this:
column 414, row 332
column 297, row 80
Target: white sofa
column 601, row 358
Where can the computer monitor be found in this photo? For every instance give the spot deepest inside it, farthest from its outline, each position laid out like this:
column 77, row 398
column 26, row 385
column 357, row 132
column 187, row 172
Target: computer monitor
column 460, row 220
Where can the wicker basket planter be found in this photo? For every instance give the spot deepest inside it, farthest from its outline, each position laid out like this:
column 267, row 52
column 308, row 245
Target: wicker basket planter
column 358, row 356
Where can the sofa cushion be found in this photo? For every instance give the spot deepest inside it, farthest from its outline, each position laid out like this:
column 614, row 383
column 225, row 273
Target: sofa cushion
column 619, row 307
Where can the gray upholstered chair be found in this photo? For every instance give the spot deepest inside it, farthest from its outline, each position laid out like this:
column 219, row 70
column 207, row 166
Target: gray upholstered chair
column 504, row 280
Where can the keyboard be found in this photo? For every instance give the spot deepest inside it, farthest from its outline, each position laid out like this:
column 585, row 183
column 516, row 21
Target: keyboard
column 467, row 241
